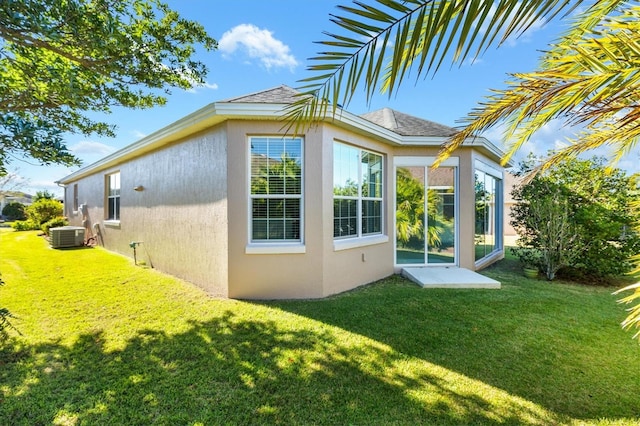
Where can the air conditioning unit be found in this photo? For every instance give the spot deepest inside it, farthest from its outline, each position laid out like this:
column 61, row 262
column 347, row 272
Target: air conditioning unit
column 66, row 236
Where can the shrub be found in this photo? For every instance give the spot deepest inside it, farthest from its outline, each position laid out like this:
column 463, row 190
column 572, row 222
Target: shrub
column 25, row 225
column 577, row 215
column 54, row 223
column 14, row 211
column 44, row 210
column 4, row 319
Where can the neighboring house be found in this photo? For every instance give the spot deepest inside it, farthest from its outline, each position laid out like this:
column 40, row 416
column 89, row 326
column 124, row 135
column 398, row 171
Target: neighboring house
column 224, row 199
column 15, row 197
column 510, row 182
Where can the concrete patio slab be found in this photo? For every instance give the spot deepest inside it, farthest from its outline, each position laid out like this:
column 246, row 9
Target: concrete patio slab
column 448, row 277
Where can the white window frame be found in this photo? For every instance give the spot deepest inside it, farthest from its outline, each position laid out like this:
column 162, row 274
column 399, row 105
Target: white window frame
column 109, row 198
column 275, row 246
column 359, row 239
column 427, row 162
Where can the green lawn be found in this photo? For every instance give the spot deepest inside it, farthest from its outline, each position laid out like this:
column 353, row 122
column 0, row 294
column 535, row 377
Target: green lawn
column 105, row 342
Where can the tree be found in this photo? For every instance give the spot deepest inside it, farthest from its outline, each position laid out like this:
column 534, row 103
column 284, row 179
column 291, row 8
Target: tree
column 62, row 59
column 410, row 208
column 589, row 77
column 43, row 195
column 542, row 219
column 11, row 182
column 410, row 213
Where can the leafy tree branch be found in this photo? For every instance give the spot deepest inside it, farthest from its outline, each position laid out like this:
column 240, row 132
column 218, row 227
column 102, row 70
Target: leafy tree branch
column 60, row 59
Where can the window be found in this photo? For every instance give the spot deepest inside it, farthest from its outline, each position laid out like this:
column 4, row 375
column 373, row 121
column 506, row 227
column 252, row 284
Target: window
column 75, row 197
column 276, row 189
column 357, row 192
column 113, row 196
column 488, row 212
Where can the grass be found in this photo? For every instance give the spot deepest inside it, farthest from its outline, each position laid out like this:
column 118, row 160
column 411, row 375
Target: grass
column 105, row 342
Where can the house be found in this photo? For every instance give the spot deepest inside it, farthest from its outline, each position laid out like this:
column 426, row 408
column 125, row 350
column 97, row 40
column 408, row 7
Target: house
column 14, row 197
column 223, row 198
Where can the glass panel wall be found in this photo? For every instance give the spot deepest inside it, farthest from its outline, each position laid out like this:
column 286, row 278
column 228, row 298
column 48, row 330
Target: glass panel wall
column 425, row 215
column 488, row 214
column 410, row 215
column 441, row 229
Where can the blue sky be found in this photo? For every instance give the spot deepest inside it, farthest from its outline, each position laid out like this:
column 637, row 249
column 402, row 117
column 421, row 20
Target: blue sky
column 263, row 44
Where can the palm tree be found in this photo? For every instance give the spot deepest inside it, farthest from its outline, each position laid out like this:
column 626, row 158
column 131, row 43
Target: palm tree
column 589, row 78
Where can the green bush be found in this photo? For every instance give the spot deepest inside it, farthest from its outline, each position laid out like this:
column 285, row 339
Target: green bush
column 44, row 210
column 577, row 217
column 25, row 225
column 14, row 211
column 54, row 223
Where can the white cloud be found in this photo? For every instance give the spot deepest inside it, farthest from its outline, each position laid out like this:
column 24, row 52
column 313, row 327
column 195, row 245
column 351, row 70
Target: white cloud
column 91, row 147
column 554, row 136
column 205, row 85
column 258, row 44
column 212, row 86
column 516, row 38
column 551, row 136
column 138, row 134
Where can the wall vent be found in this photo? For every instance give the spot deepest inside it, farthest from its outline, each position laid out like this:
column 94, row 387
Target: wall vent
column 66, row 236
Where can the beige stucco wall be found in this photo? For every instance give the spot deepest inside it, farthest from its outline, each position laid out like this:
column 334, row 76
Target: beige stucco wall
column 260, row 276
column 181, row 215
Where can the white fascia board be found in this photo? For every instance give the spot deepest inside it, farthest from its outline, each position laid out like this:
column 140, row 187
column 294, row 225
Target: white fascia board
column 423, row 140
column 490, row 147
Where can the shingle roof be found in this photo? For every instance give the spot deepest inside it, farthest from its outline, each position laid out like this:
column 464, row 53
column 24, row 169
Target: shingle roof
column 398, row 122
column 278, row 95
column 407, row 125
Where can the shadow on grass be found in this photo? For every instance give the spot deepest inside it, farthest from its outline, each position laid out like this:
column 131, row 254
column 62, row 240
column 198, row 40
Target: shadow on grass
column 227, row 370
column 559, row 346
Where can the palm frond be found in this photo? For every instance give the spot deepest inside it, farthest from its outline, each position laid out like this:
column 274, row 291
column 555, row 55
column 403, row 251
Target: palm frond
column 423, row 31
column 633, row 318
column 592, row 81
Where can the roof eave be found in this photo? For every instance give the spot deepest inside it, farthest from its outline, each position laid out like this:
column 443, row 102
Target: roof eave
column 219, row 112
column 201, row 119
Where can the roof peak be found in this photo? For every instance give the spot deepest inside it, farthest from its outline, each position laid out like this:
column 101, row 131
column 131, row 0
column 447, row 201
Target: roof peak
column 282, row 94
column 406, row 124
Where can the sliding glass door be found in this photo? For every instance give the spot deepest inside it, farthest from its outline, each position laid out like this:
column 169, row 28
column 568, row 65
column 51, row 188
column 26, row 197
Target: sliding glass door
column 426, row 205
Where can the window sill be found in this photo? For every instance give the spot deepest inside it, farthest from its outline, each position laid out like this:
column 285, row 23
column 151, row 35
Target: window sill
column 492, row 257
column 350, row 243
column 111, row 223
column 275, row 248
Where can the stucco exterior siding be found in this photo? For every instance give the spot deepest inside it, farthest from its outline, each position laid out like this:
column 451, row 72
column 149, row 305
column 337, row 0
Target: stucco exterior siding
column 180, row 217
